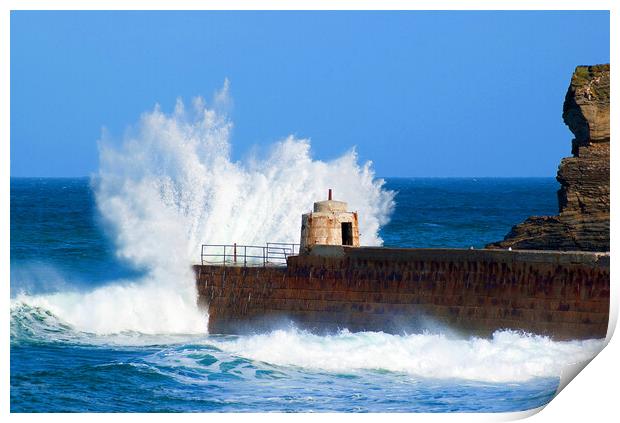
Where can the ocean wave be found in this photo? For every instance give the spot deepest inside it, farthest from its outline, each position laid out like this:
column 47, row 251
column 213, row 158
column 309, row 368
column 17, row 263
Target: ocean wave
column 37, row 324
column 508, row 356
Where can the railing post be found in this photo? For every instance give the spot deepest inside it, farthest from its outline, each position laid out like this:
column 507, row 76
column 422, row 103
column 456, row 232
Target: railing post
column 245, row 255
column 224, row 255
column 235, row 253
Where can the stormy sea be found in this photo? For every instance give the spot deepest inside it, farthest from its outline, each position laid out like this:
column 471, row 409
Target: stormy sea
column 103, row 305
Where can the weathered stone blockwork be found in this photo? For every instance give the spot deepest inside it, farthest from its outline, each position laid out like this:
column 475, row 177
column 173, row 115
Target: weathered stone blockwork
column 324, row 226
column 564, row 295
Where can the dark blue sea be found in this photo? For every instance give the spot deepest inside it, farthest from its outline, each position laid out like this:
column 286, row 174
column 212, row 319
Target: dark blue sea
column 95, row 326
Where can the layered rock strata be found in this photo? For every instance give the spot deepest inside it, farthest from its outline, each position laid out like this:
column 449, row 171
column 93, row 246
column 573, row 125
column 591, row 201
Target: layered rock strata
column 583, row 219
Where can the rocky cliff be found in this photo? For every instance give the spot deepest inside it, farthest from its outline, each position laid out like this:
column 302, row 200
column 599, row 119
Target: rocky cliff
column 583, row 219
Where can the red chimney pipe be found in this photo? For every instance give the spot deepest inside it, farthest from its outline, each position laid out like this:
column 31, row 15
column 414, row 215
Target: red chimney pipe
column 329, row 195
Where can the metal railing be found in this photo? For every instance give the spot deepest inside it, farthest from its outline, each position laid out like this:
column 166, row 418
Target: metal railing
column 271, row 254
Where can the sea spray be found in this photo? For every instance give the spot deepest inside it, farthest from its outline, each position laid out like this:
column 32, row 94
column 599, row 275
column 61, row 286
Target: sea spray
column 171, row 185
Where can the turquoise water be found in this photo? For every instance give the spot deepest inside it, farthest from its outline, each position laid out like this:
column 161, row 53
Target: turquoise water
column 68, row 353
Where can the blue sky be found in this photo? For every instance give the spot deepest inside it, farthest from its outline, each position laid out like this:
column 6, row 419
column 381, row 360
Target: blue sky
column 419, row 93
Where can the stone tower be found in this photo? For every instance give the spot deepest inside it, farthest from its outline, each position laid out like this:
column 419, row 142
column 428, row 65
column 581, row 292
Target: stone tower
column 329, row 224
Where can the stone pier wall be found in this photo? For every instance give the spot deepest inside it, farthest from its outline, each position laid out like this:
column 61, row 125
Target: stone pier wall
column 561, row 294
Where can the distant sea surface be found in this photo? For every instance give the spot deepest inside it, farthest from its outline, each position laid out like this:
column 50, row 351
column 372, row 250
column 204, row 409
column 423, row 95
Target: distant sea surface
column 61, row 249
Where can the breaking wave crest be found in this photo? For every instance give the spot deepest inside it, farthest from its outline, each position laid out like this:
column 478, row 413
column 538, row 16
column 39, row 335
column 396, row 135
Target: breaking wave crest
column 171, row 185
column 508, row 356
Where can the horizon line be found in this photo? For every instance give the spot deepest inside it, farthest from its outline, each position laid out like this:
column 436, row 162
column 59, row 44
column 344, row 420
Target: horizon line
column 376, row 177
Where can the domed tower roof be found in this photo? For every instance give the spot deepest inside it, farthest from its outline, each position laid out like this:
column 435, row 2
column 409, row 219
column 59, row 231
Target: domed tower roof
column 330, row 206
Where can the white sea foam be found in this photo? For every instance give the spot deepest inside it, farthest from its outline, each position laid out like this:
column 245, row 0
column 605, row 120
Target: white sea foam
column 171, row 185
column 156, row 304
column 507, row 357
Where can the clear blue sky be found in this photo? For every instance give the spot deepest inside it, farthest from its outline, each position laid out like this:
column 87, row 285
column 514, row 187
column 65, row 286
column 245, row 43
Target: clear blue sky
column 419, row 93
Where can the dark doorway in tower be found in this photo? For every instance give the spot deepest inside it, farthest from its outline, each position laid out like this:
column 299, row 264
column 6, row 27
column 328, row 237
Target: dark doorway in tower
column 347, row 233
